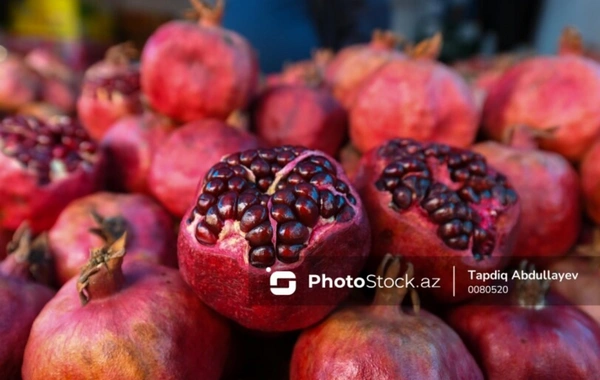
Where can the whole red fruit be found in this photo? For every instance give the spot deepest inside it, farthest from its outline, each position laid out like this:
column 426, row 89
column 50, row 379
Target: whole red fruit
column 353, row 64
column 213, row 71
column 528, row 335
column 135, row 321
column 21, row 299
column 444, row 208
column 19, row 84
column 149, row 228
column 111, row 90
column 44, row 165
column 130, row 145
column 590, row 181
column 185, row 157
column 560, row 92
column 383, row 341
column 550, row 221
column 309, row 72
column 269, row 210
column 413, row 98
column 303, row 115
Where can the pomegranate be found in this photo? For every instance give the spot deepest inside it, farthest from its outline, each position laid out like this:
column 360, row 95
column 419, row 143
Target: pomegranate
column 59, row 83
column 309, row 72
column 187, row 155
column 444, row 208
column 213, row 71
column 102, row 217
column 5, row 237
column 350, row 160
column 414, row 98
column 585, row 291
column 125, row 321
column 550, row 221
column 110, row 91
column 383, row 341
column 529, row 334
column 269, row 210
column 19, row 85
column 43, row 167
column 21, row 299
column 130, row 145
column 590, row 181
column 349, row 68
column 299, row 114
column 558, row 92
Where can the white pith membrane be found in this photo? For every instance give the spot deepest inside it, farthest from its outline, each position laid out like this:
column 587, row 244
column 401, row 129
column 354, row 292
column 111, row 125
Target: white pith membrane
column 232, row 240
column 462, row 207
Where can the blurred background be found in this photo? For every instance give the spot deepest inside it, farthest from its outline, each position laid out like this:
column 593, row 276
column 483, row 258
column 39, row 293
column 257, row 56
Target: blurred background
column 288, row 30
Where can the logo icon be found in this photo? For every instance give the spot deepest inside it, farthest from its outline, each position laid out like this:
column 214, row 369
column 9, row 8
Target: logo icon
column 282, row 275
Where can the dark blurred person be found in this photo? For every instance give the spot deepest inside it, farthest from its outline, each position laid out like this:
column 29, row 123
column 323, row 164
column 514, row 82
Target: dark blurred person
column 288, row 30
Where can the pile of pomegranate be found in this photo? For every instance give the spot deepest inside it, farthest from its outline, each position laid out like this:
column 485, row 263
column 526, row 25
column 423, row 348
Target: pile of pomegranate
column 172, row 213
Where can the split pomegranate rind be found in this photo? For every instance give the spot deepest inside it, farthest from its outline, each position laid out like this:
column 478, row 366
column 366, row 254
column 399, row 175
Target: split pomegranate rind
column 43, row 166
column 265, row 210
column 444, row 208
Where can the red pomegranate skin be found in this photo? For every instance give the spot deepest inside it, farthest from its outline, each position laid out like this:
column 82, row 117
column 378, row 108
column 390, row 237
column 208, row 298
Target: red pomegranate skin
column 585, row 291
column 110, row 91
column 590, row 182
column 445, row 209
column 281, row 209
column 150, row 326
column 302, row 115
column 548, row 92
column 150, row 232
column 418, row 99
column 352, row 65
column 187, row 155
column 213, row 71
column 550, row 221
column 130, row 145
column 21, row 300
column 19, row 85
column 44, row 177
column 515, row 342
column 382, row 341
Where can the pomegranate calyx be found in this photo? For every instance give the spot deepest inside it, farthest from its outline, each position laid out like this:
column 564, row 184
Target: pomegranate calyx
column 570, row 42
column 428, row 49
column 207, row 15
column 526, row 137
column 386, row 39
column 530, row 293
column 391, row 267
column 102, row 276
column 109, row 229
column 28, row 257
column 122, row 54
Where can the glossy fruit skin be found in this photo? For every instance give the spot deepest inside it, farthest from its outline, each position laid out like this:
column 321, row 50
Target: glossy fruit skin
column 550, row 221
column 215, row 71
column 548, row 92
column 41, row 203
column 404, row 99
column 19, row 85
column 223, row 275
column 185, row 157
column 154, row 327
column 358, row 343
column 151, row 236
column 130, row 145
column 590, row 182
column 21, row 300
column 413, row 231
column 553, row 342
column 300, row 115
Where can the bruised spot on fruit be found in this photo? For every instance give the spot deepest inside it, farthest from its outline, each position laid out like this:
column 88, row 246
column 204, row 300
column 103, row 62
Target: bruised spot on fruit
column 276, row 205
column 460, row 202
